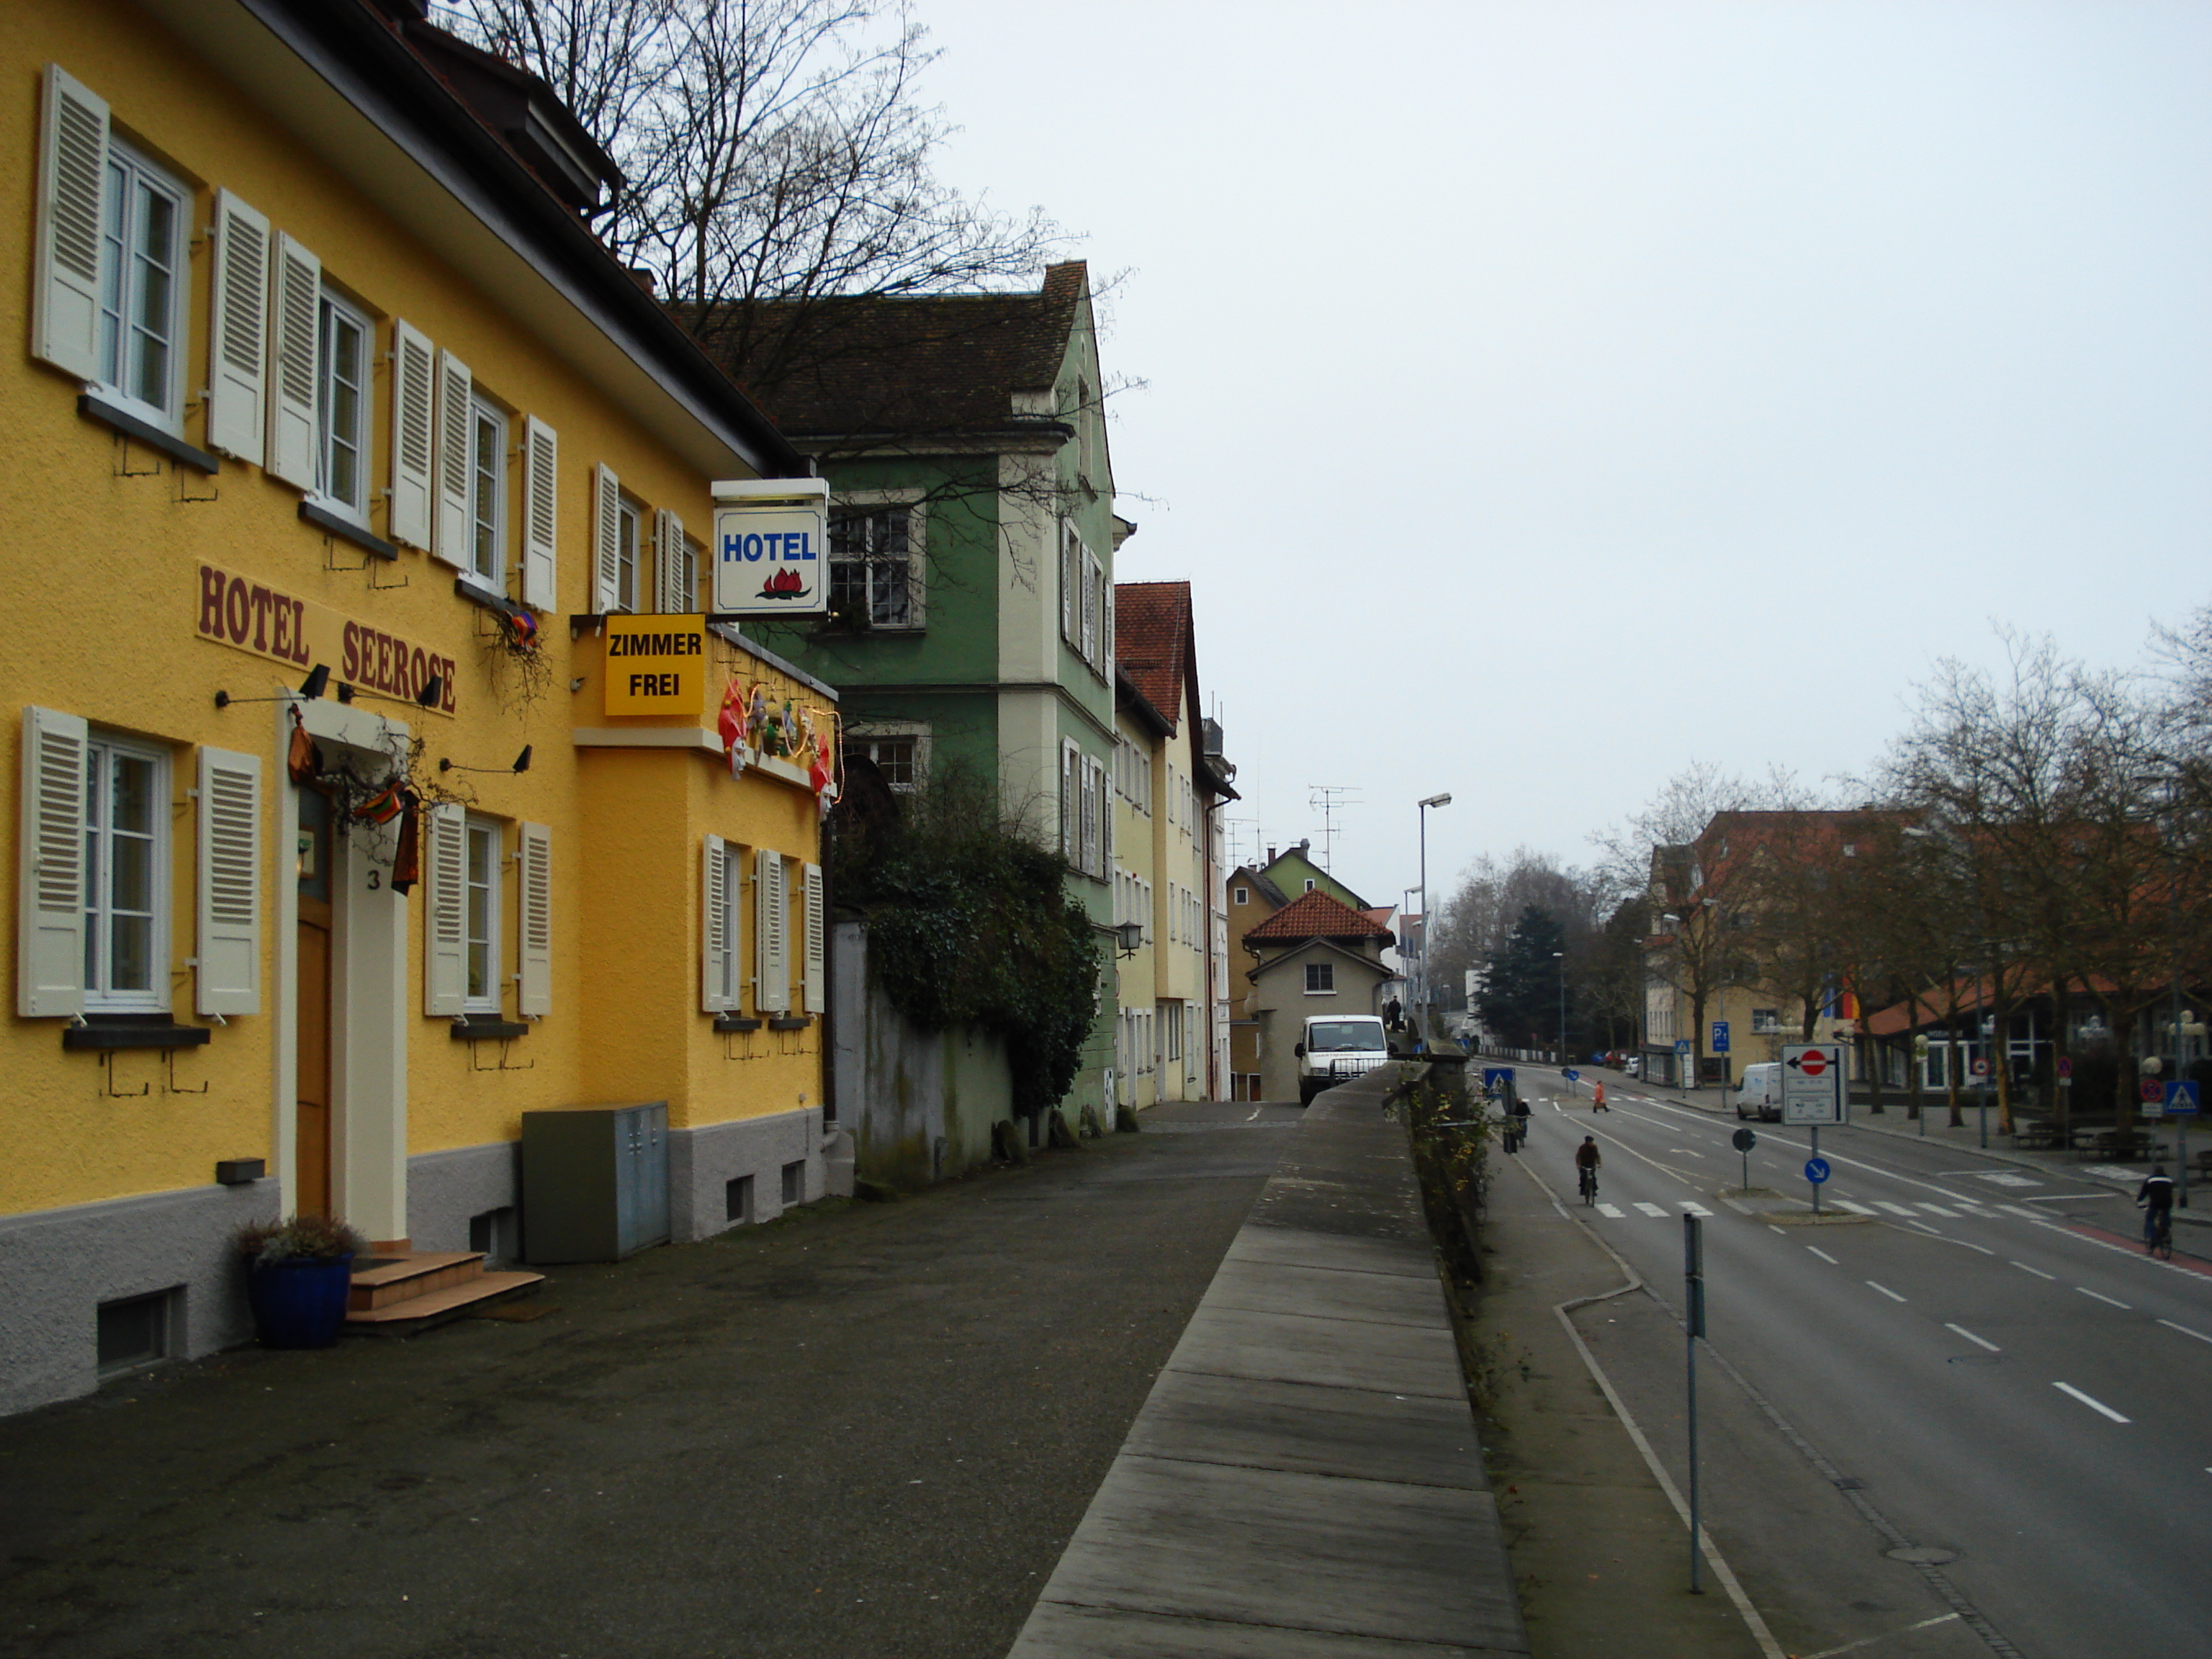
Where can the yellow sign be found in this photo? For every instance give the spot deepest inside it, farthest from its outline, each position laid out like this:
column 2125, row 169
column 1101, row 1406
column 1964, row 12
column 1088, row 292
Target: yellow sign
column 656, row 665
column 249, row 616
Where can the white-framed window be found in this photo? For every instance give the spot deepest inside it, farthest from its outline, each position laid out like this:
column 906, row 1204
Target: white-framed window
column 1243, row 895
column 875, row 563
column 1093, row 577
column 484, row 842
column 345, row 342
column 1320, row 978
column 1071, row 808
column 1765, row 1021
column 898, row 758
column 629, row 528
column 145, row 218
column 1071, row 584
column 126, row 867
column 487, row 449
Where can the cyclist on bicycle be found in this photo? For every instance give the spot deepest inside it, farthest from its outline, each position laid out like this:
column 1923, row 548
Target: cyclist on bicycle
column 2155, row 1198
column 1587, row 1159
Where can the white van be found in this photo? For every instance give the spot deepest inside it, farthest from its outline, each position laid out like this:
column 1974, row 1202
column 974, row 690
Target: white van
column 1759, row 1094
column 1337, row 1049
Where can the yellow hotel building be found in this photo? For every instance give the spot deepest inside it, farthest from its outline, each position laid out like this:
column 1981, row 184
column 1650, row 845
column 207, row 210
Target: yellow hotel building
column 349, row 829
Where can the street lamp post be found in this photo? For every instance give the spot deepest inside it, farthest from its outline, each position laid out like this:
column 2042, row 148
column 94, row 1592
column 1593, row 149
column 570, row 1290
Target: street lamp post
column 1422, row 998
column 1560, row 956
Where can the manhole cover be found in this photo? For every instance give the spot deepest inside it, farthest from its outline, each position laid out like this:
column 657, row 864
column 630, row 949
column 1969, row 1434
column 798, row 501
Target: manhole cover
column 1922, row 1555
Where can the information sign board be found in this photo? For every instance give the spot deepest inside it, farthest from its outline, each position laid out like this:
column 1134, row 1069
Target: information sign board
column 1720, row 1036
column 2181, row 1098
column 770, row 554
column 1813, row 1083
column 1494, row 1075
column 1816, row 1169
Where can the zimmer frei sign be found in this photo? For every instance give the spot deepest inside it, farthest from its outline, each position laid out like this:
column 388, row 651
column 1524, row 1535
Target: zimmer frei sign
column 771, row 550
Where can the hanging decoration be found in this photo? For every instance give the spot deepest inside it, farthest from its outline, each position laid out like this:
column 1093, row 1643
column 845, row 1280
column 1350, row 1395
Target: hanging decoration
column 753, row 726
column 734, row 723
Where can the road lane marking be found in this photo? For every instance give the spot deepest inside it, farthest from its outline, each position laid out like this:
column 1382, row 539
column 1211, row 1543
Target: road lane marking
column 1651, row 1209
column 1689, row 1208
column 2184, row 1330
column 1970, row 1245
column 1886, row 1291
column 1894, row 1209
column 1937, row 1209
column 1824, row 1256
column 1845, row 1204
column 1869, row 1641
column 2037, row 1272
column 1772, row 1228
column 2094, row 1405
column 1685, row 1150
column 2102, row 1296
column 1970, row 1337
column 2021, row 1211
column 1613, row 1213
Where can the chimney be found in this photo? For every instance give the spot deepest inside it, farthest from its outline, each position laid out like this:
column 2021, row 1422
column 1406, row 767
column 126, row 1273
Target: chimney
column 1271, row 855
column 1305, row 846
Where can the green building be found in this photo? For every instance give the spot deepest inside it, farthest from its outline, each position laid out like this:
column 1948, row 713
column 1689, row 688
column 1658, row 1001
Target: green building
column 971, row 579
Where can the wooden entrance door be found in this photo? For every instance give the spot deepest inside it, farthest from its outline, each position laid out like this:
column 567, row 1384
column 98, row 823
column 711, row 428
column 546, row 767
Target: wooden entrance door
column 312, row 1060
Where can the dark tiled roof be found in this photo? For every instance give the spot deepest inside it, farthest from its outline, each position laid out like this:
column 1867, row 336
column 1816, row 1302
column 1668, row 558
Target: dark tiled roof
column 1317, row 916
column 1152, row 640
column 1259, row 883
column 942, row 363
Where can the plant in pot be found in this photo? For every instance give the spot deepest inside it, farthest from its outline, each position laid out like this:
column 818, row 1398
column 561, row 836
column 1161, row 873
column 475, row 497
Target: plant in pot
column 298, row 1273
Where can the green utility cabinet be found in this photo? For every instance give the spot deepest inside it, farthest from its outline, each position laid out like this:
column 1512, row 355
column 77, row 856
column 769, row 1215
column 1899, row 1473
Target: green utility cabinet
column 594, row 1182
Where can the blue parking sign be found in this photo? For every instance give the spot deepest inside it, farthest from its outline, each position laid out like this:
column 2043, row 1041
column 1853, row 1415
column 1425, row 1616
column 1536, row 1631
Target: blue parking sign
column 1720, row 1036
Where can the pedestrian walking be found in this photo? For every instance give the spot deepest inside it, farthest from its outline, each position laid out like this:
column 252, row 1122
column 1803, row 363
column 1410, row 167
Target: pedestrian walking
column 1597, row 1099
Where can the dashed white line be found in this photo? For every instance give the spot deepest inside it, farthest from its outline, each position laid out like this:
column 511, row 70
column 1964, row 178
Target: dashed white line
column 1824, row 1256
column 2021, row 1211
column 1845, row 1204
column 1894, row 1209
column 1937, row 1209
column 2094, row 1405
column 1651, row 1209
column 2037, row 1272
column 2102, row 1296
column 2184, row 1330
column 1970, row 1337
column 1886, row 1291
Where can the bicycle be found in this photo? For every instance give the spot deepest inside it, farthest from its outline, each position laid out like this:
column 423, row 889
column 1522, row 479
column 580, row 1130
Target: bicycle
column 1590, row 1185
column 2159, row 1226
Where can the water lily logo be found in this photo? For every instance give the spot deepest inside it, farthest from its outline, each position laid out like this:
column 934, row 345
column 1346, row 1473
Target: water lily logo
column 784, row 584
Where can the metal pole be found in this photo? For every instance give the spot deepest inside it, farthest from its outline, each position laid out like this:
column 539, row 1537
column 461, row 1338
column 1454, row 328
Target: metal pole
column 2173, row 942
column 1421, row 990
column 1693, row 1270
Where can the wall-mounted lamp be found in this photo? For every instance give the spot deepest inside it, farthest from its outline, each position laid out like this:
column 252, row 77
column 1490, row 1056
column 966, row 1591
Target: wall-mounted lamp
column 1129, row 935
column 432, row 690
column 318, row 681
column 521, row 763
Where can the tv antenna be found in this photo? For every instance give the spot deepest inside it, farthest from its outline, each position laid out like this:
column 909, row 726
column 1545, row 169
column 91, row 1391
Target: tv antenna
column 1331, row 799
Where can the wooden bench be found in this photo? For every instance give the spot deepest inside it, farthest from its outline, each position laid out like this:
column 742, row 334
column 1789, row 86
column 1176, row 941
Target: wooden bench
column 2123, row 1146
column 2034, row 1135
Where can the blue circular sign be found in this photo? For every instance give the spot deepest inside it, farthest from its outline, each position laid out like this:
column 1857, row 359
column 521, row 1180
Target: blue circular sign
column 1816, row 1169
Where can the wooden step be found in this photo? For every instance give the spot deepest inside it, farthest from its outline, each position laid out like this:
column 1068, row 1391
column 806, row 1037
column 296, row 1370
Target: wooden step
column 455, row 1301
column 390, row 1280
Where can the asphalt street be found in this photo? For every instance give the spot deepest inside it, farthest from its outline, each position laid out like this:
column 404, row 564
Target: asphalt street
column 1980, row 1359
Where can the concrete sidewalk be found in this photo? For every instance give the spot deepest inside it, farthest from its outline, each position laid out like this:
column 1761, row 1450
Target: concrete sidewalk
column 1304, row 1479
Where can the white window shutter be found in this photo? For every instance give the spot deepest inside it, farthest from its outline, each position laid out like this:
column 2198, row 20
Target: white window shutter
column 715, row 928
column 229, row 903
column 814, row 939
column 455, row 528
column 535, row 998
column 414, row 363
column 444, row 921
column 72, row 178
column 606, row 540
column 541, row 518
column 297, row 288
column 238, row 345
column 772, row 935
column 50, row 914
column 670, row 560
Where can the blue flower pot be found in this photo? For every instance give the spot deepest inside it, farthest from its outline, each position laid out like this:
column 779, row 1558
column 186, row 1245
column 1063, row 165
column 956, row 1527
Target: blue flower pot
column 299, row 1303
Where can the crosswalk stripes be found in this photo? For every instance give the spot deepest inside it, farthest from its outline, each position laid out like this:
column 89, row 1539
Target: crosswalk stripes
column 1689, row 1208
column 1845, row 1204
column 1937, row 1209
column 1651, row 1209
column 2021, row 1211
column 1895, row 1209
column 1613, row 1213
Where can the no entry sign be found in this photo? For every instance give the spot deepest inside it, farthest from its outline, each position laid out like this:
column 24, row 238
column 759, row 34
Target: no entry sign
column 1811, row 1083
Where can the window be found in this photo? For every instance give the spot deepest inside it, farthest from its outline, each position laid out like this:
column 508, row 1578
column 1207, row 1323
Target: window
column 626, row 539
column 344, row 342
column 1310, row 884
column 871, row 575
column 126, row 861
column 480, row 974
column 1070, row 816
column 1765, row 1021
column 486, row 494
column 143, row 279
column 1320, row 978
column 1244, row 895
column 893, row 757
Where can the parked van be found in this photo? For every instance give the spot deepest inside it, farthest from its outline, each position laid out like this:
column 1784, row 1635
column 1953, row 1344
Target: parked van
column 1337, row 1049
column 1759, row 1094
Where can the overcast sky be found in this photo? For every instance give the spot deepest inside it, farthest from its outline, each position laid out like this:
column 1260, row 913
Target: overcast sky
column 1542, row 397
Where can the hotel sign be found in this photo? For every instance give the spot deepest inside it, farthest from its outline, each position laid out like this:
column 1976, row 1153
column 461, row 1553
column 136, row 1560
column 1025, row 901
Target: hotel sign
column 264, row 622
column 771, row 547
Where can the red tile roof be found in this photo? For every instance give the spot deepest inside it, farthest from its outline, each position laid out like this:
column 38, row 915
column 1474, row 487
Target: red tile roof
column 1317, row 916
column 1151, row 640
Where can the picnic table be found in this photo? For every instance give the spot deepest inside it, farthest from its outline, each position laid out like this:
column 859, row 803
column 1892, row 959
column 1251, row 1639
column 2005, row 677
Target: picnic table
column 2034, row 1133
